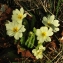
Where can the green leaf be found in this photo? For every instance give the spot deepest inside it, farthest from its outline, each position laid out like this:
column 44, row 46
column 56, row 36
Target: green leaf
column 33, row 21
column 22, row 40
column 30, row 41
column 58, row 8
column 26, row 24
column 62, row 0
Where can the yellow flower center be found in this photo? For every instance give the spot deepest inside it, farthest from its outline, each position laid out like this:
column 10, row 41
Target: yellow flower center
column 39, row 52
column 20, row 16
column 15, row 29
column 43, row 34
column 48, row 23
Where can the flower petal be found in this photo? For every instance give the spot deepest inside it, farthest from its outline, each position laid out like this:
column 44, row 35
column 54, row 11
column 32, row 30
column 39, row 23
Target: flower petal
column 16, row 11
column 16, row 36
column 51, row 19
column 22, row 10
column 48, row 39
column 44, row 19
column 50, row 33
column 56, row 29
column 24, row 15
column 56, row 23
column 10, row 33
column 38, row 32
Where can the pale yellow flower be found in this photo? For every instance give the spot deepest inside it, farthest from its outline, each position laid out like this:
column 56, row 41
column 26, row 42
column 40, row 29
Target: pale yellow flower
column 38, row 53
column 50, row 21
column 18, row 15
column 43, row 34
column 15, row 29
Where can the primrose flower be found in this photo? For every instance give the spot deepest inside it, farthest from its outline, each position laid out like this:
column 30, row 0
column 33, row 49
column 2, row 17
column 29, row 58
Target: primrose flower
column 18, row 15
column 43, row 34
column 51, row 22
column 15, row 29
column 38, row 53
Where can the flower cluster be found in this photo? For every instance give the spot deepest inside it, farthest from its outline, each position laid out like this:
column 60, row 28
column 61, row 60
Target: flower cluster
column 38, row 51
column 16, row 29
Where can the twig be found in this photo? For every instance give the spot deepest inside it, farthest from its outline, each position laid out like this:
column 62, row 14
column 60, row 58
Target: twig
column 36, row 5
column 45, row 7
column 16, row 1
column 57, row 55
column 46, row 56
